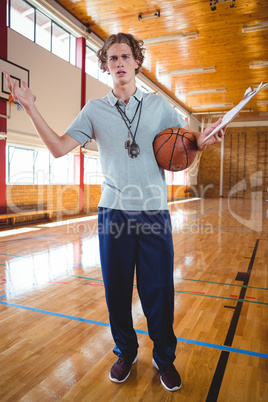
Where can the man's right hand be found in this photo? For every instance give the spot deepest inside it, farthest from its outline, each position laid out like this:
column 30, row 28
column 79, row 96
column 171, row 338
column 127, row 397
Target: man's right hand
column 22, row 94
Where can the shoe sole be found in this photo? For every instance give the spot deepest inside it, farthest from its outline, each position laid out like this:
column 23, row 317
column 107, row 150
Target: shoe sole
column 162, row 382
column 120, row 381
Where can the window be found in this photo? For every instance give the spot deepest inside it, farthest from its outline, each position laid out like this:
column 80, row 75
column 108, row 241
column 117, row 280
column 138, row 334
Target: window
column 61, row 170
column 28, row 166
column 91, row 63
column 60, row 42
column 92, row 171
column 41, row 167
column 35, row 25
column 92, row 68
column 43, row 30
column 73, row 50
column 22, row 18
column 20, row 165
column 176, row 178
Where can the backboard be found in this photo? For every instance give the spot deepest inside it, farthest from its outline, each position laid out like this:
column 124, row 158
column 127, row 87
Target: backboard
column 16, row 72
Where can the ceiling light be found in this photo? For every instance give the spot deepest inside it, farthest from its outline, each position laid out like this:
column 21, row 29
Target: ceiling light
column 260, row 103
column 259, row 64
column 213, row 106
column 202, row 91
column 211, row 114
column 255, row 26
column 191, row 71
column 148, row 16
column 214, row 2
column 171, row 38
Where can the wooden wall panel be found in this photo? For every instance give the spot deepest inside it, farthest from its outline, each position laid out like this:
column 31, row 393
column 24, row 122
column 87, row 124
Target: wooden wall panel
column 209, row 172
column 245, row 164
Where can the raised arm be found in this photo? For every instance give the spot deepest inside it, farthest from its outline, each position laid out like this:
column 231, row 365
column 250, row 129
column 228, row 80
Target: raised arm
column 201, row 136
column 57, row 145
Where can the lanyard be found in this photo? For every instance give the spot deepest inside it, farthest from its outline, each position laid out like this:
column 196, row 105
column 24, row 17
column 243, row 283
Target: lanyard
column 132, row 147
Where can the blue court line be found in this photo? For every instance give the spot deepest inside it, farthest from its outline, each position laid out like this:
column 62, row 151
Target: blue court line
column 70, row 317
column 225, row 348
column 204, row 213
column 241, row 229
column 138, row 331
column 3, row 265
column 2, row 297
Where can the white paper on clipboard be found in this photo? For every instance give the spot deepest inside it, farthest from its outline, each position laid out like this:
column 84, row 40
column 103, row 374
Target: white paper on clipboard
column 229, row 116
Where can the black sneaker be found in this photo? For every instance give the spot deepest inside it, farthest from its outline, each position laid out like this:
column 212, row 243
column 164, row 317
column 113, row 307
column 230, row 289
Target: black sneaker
column 170, row 378
column 121, row 368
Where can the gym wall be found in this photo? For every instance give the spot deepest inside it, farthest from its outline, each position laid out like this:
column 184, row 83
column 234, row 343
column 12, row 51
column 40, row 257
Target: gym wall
column 245, row 164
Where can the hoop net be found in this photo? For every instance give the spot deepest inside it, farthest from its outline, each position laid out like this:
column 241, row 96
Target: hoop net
column 12, row 100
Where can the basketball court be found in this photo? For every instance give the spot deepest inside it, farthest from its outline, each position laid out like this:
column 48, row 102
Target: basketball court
column 55, row 336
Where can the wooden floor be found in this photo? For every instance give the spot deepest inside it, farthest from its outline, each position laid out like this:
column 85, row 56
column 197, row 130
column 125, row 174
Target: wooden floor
column 55, row 341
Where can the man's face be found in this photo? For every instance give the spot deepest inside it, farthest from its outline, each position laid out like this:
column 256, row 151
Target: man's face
column 121, row 63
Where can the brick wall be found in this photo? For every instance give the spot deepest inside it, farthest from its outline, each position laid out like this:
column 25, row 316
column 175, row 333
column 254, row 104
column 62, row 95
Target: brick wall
column 54, row 197
column 92, row 195
column 65, row 198
column 61, row 198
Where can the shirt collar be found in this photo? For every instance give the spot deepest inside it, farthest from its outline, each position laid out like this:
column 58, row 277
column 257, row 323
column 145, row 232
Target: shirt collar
column 113, row 99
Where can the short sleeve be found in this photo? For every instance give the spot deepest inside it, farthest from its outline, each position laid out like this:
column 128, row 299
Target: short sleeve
column 81, row 128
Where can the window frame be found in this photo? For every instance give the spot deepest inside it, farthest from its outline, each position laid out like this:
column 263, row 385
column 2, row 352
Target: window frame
column 9, row 22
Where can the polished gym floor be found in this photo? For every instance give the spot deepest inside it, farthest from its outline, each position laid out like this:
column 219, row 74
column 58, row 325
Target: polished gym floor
column 55, row 341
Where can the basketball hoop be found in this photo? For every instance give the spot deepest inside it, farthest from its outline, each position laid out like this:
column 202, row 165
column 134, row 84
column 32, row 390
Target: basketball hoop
column 14, row 101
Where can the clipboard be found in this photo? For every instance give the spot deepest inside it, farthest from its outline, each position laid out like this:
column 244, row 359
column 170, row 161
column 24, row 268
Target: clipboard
column 229, row 116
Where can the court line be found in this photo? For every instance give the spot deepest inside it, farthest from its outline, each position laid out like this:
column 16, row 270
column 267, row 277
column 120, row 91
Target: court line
column 223, row 228
column 183, row 279
column 86, row 267
column 220, row 283
column 70, row 317
column 2, row 297
column 224, row 356
column 138, row 331
column 184, row 200
column 210, row 210
column 190, row 293
column 85, row 277
column 223, row 297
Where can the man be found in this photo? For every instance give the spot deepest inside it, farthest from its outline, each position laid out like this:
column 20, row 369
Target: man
column 134, row 221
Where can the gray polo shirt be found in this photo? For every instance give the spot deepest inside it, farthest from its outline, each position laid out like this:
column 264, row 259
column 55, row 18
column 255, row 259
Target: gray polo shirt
column 136, row 184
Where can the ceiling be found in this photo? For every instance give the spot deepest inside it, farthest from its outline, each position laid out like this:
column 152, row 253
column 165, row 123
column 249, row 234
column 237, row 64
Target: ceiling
column 220, row 44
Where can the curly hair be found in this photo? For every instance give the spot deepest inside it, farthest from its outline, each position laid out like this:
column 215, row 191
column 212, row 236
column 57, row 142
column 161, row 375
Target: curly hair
column 136, row 46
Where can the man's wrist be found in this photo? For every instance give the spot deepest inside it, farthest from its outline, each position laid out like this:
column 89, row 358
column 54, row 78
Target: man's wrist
column 31, row 110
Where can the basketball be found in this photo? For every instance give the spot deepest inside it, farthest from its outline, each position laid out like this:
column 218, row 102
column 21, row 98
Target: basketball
column 175, row 149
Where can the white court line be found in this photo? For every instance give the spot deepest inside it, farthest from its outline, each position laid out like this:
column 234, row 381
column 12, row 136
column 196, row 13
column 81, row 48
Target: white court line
column 16, row 231
column 68, row 221
column 178, row 202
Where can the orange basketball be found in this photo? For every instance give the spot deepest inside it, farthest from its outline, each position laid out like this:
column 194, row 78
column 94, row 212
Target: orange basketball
column 175, row 149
